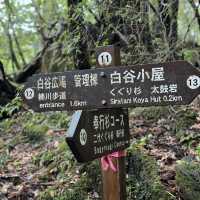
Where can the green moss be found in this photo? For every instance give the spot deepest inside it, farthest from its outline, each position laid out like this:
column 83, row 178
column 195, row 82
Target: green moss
column 188, row 179
column 143, row 180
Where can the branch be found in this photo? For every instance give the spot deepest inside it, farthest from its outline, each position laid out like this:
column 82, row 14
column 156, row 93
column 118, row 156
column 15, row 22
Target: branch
column 94, row 15
column 42, row 21
column 196, row 11
column 9, row 36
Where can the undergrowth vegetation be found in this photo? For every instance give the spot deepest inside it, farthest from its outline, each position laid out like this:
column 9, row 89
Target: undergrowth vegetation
column 143, row 179
column 188, row 179
column 62, row 178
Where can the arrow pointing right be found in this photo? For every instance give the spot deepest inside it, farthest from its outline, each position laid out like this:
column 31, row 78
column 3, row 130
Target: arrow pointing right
column 174, row 83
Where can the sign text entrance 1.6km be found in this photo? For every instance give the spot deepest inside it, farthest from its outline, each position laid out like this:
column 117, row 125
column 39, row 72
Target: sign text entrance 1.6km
column 174, row 83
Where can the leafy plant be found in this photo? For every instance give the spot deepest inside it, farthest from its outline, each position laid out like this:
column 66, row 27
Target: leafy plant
column 198, row 150
column 143, row 180
column 34, row 133
column 151, row 113
column 184, row 119
column 11, row 108
column 4, row 157
column 58, row 119
column 188, row 179
column 74, row 193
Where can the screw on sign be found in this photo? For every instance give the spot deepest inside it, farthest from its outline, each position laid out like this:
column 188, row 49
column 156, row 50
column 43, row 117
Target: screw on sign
column 174, row 83
column 83, row 137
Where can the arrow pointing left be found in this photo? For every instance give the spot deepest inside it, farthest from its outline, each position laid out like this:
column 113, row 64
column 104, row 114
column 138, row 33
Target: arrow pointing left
column 86, row 124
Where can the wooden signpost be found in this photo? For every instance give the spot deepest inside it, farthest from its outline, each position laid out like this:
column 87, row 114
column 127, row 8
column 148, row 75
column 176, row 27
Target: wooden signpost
column 174, row 83
column 97, row 133
column 114, row 180
column 104, row 94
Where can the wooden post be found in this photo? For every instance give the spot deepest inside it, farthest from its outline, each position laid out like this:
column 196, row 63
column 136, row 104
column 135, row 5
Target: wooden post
column 114, row 183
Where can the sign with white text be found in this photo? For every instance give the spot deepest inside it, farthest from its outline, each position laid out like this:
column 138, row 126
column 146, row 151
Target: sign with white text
column 95, row 133
column 174, row 83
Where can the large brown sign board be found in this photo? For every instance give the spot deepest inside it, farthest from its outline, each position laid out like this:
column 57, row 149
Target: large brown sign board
column 173, row 83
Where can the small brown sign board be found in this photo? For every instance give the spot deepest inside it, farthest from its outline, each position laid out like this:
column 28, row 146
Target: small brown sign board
column 173, row 83
column 93, row 134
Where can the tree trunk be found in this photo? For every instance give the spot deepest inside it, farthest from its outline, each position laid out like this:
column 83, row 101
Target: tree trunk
column 196, row 10
column 168, row 10
column 173, row 36
column 146, row 34
column 8, row 34
column 7, row 90
column 76, row 29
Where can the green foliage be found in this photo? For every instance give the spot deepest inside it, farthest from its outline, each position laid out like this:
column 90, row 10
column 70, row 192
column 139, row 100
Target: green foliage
column 191, row 55
column 198, row 150
column 53, row 193
column 11, row 108
column 61, row 162
column 58, row 119
column 151, row 113
column 188, row 179
column 89, row 180
column 143, row 180
column 34, row 133
column 184, row 119
column 56, row 156
column 181, row 124
column 15, row 141
column 6, row 125
column 4, row 157
column 188, row 138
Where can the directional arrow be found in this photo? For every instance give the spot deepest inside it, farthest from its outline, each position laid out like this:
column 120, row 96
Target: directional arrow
column 174, row 83
column 88, row 130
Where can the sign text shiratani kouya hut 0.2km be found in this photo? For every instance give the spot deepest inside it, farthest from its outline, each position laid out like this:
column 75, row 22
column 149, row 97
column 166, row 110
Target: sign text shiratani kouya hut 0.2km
column 174, row 83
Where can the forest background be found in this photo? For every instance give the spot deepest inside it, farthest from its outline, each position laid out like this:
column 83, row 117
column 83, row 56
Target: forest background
column 39, row 36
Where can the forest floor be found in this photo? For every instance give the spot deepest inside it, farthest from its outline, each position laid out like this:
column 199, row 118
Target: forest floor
column 35, row 162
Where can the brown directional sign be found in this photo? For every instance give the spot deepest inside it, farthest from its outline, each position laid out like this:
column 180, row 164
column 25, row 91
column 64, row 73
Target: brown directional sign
column 95, row 133
column 171, row 83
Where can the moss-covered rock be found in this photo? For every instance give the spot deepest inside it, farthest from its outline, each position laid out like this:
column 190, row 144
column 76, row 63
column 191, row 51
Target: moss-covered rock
column 188, row 179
